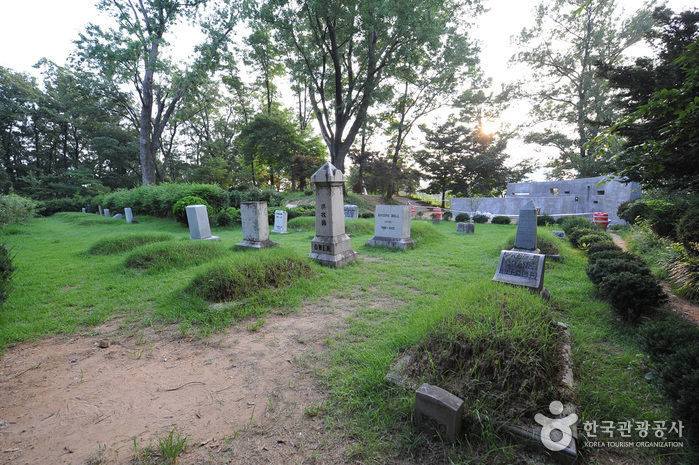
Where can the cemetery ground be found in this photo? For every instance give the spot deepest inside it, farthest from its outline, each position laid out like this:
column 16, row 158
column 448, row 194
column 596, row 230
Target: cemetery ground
column 130, row 343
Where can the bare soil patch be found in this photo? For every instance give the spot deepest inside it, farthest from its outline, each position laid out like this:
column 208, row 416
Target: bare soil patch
column 243, row 397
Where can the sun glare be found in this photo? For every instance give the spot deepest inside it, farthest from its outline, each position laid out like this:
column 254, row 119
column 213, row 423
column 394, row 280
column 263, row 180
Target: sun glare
column 488, row 127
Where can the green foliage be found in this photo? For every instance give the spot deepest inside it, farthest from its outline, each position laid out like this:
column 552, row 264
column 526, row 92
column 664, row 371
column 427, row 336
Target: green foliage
column 462, row 217
column 6, row 271
column 501, row 220
column 683, row 273
column 601, row 247
column 302, row 210
column 159, row 200
column 673, row 346
column 569, row 223
column 447, row 215
column 15, row 210
column 255, row 194
column 688, row 231
column 632, row 294
column 576, row 234
column 591, row 239
column 601, row 268
column 66, row 204
column 545, row 242
column 172, row 446
column 228, row 217
column 179, row 210
column 366, row 215
column 123, row 242
column 480, row 219
column 613, row 254
column 545, row 219
column 174, row 254
column 239, row 278
column 662, row 215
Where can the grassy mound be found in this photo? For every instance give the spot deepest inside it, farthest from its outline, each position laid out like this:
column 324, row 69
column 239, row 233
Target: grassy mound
column 122, row 243
column 501, row 354
column 358, row 226
column 247, row 274
column 174, row 254
column 545, row 242
column 424, row 233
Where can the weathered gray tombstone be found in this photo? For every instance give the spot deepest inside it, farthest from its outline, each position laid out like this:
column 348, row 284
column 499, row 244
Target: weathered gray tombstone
column 253, row 215
column 118, row 216
column 521, row 269
column 439, row 409
column 465, row 228
column 280, row 220
column 100, row 209
column 392, row 227
column 198, row 220
column 106, row 212
column 331, row 245
column 559, row 234
column 525, row 240
column 84, row 210
column 351, row 212
column 129, row 214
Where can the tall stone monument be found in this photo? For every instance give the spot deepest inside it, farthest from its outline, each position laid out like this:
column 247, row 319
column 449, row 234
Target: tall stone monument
column 198, row 219
column 330, row 246
column 392, row 227
column 525, row 240
column 253, row 215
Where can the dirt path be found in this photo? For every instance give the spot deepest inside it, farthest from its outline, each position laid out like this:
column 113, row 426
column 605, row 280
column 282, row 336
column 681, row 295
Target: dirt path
column 686, row 309
column 245, row 397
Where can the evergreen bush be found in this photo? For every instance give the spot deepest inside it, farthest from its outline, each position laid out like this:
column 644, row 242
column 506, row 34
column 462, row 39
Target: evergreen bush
column 576, row 234
column 179, row 210
column 569, row 223
column 462, row 218
column 447, row 215
column 614, row 255
column 688, row 231
column 501, row 220
column 595, row 238
column 633, row 295
column 480, row 219
column 602, row 247
column 15, row 210
column 598, row 270
column 545, row 220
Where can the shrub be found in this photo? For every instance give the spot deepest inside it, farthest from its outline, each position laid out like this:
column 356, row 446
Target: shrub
column 614, row 255
column 49, row 207
column 500, row 220
column 179, row 210
column 574, row 235
column 662, row 215
column 302, row 222
column 545, row 242
column 632, row 294
column 545, row 219
column 688, row 231
column 308, row 192
column 447, row 215
column 683, row 273
column 6, row 271
column 255, row 194
column 462, row 217
column 602, row 247
column 480, row 219
column 366, row 215
column 569, row 223
column 227, row 217
column 15, row 210
column 605, row 267
column 673, row 347
column 595, row 238
column 302, row 210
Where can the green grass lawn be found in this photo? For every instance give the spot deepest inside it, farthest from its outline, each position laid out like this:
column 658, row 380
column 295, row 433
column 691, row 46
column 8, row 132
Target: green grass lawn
column 62, row 285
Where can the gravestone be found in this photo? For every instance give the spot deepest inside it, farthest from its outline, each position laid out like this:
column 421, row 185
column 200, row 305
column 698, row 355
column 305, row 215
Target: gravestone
column 84, row 211
column 521, row 269
column 280, row 219
column 525, row 240
column 351, row 212
column 129, row 214
column 331, row 245
column 253, row 215
column 198, row 219
column 118, row 216
column 439, row 409
column 465, row 228
column 106, row 212
column 559, row 234
column 100, row 209
column 392, row 227
column 89, row 208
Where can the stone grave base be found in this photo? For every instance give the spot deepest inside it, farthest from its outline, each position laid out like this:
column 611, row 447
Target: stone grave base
column 256, row 244
column 334, row 261
column 210, row 238
column 391, row 242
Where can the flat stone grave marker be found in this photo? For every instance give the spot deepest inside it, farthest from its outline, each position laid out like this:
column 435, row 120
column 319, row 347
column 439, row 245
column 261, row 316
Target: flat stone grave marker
column 521, row 269
column 106, row 212
column 84, row 210
column 351, row 212
column 280, row 220
column 392, row 227
column 525, row 240
column 198, row 219
column 118, row 216
column 129, row 214
column 465, row 228
column 439, row 409
column 255, row 226
column 559, row 234
column 100, row 209
column 331, row 245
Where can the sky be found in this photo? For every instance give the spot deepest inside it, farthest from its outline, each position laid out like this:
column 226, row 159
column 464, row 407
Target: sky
column 33, row 29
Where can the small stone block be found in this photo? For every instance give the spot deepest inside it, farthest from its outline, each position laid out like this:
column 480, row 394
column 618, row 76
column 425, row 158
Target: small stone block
column 129, row 214
column 280, row 221
column 351, row 212
column 84, row 211
column 106, row 212
column 118, row 216
column 440, row 410
column 559, row 234
column 465, row 228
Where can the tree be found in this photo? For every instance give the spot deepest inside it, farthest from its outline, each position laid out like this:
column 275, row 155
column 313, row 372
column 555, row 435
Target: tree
column 659, row 98
column 345, row 50
column 569, row 38
column 133, row 54
column 264, row 54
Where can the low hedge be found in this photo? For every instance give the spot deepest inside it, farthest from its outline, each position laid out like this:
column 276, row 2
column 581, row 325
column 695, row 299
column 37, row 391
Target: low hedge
column 501, row 220
column 632, row 294
column 605, row 267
